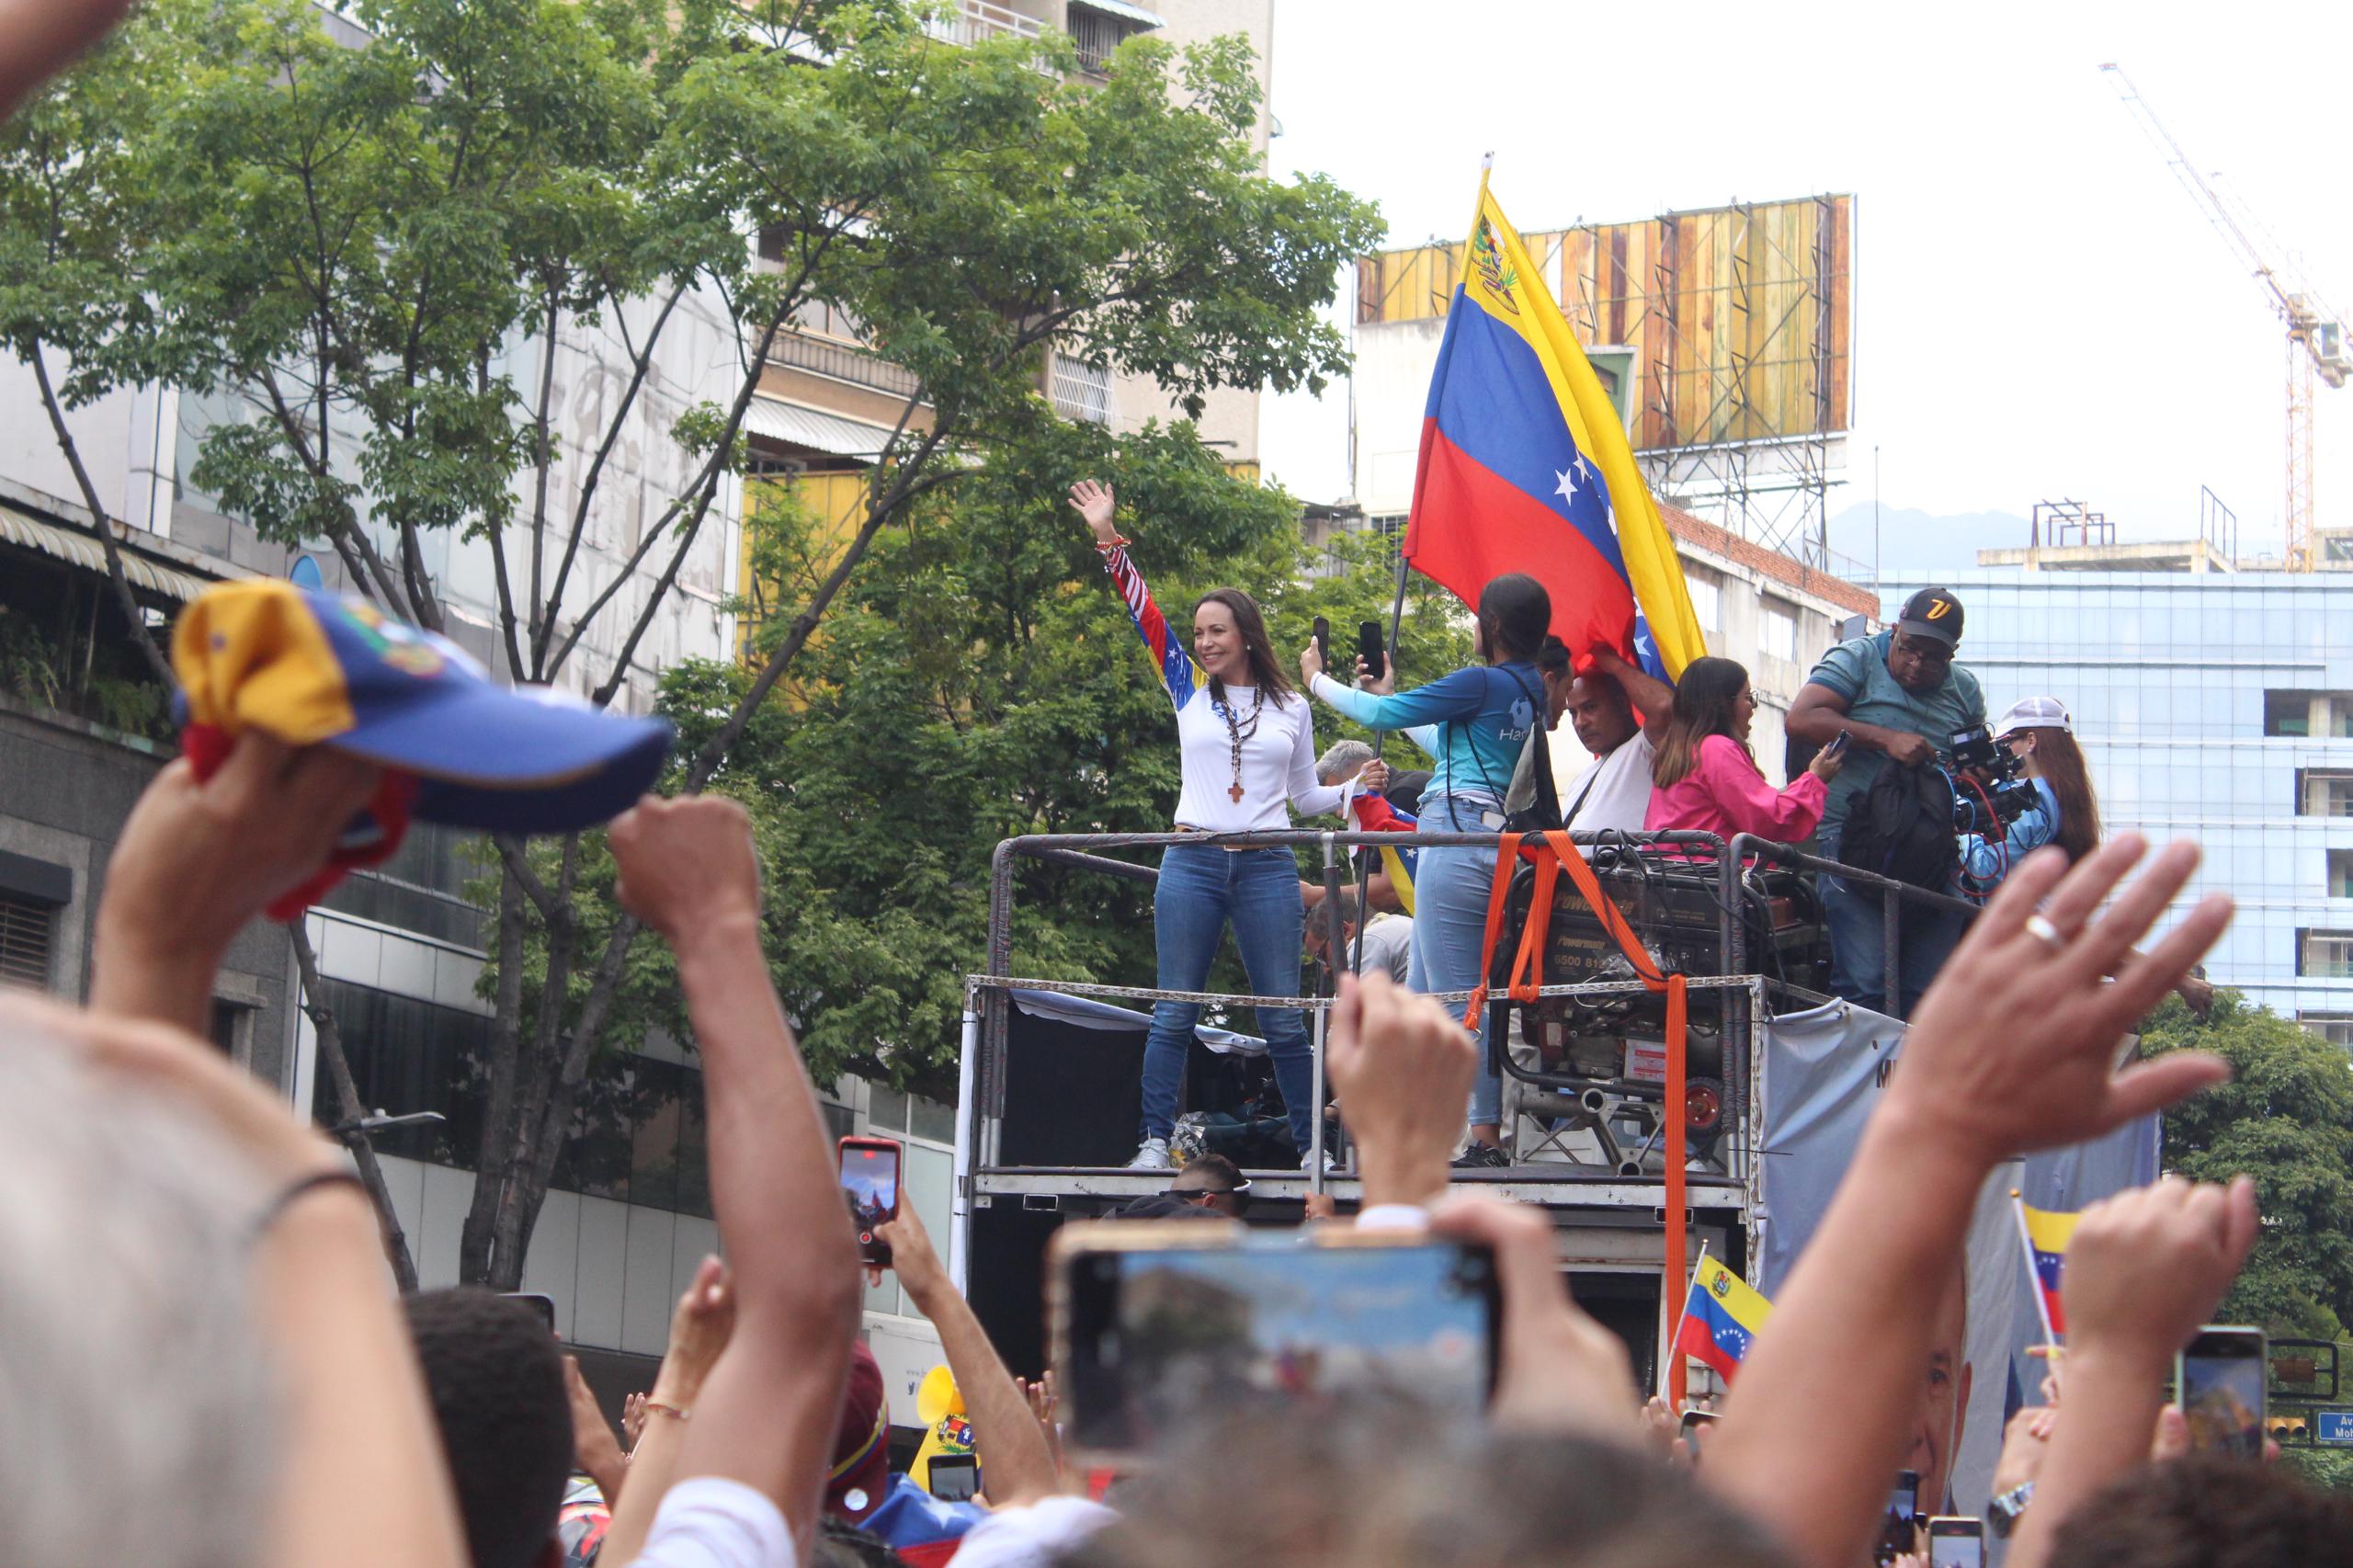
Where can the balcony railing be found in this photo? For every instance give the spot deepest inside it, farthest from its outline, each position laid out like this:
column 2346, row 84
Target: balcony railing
column 842, row 362
column 973, row 21
column 1082, row 391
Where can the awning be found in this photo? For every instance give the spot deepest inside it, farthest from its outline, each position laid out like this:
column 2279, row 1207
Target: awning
column 1121, row 8
column 78, row 549
column 781, row 421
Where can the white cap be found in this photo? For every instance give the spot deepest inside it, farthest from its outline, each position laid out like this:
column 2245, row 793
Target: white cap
column 2034, row 713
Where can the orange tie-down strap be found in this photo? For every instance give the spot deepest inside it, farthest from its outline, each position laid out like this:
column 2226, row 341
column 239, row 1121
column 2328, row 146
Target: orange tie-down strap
column 1551, row 853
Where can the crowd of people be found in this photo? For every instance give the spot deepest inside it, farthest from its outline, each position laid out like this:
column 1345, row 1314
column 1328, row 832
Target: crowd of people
column 203, row 1365
column 192, row 1238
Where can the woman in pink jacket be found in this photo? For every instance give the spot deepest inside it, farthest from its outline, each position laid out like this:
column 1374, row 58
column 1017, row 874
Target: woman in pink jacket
column 1706, row 778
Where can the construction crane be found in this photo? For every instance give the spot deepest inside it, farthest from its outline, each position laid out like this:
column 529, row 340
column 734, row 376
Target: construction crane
column 2316, row 337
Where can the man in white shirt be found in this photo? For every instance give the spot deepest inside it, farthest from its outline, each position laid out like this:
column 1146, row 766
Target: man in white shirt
column 1614, row 790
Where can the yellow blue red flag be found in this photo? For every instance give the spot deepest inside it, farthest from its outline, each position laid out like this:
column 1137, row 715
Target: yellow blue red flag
column 2048, row 1231
column 1720, row 1318
column 1524, row 466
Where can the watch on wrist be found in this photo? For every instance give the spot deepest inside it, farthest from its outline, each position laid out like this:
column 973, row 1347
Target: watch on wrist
column 2002, row 1514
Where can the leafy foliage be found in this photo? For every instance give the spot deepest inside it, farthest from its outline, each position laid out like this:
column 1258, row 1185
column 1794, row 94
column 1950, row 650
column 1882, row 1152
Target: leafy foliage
column 982, row 682
column 351, row 239
column 2286, row 1119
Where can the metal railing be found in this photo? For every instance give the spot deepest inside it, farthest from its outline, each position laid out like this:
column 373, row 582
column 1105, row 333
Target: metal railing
column 974, row 21
column 1892, row 931
column 842, row 362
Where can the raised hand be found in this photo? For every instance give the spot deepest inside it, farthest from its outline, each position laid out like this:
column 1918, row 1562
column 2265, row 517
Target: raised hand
column 197, row 861
column 912, row 1254
column 1098, row 505
column 1560, row 1371
column 700, row 1325
column 2015, row 1046
column 687, row 866
column 2146, row 1268
column 1403, row 1067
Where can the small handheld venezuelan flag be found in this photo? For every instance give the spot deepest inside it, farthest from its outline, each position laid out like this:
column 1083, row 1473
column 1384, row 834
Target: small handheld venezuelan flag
column 2047, row 1233
column 1375, row 814
column 1720, row 1318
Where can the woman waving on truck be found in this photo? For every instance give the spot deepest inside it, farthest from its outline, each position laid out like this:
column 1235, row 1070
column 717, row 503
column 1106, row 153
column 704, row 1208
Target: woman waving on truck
column 1246, row 741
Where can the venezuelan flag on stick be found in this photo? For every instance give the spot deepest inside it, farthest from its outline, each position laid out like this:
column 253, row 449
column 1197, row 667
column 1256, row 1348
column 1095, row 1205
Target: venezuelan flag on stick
column 2046, row 1234
column 1720, row 1318
column 1524, row 468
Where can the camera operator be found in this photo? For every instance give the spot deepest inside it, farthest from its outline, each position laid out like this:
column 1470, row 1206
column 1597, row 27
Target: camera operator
column 1890, row 693
column 2064, row 809
column 2040, row 739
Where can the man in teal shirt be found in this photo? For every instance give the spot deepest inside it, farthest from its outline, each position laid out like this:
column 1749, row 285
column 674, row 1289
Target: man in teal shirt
column 1899, row 697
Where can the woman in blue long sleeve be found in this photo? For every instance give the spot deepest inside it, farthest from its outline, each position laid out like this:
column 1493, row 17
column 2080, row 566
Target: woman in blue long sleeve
column 1484, row 715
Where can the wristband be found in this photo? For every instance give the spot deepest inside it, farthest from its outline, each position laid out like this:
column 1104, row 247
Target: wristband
column 1105, row 546
column 276, row 1207
column 655, row 1407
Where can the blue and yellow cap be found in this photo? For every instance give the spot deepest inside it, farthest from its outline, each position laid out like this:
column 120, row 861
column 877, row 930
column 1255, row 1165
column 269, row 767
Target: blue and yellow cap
column 321, row 669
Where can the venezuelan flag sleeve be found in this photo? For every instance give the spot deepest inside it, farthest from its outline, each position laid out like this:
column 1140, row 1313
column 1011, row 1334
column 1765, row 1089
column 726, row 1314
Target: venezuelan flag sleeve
column 1177, row 671
column 1524, row 466
column 1720, row 1318
column 2046, row 1235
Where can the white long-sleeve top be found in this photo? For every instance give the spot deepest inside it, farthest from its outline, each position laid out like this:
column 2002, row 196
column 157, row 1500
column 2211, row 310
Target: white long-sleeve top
column 1277, row 761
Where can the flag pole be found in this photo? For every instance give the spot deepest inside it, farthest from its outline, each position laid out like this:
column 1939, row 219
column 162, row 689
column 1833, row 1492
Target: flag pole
column 1681, row 1311
column 1380, row 741
column 2034, row 1276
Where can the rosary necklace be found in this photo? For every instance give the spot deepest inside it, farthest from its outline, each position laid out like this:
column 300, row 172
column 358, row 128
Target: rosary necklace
column 1238, row 732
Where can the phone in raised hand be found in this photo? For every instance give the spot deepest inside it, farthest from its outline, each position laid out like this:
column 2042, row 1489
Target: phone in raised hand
column 2223, row 1380
column 1156, row 1325
column 1955, row 1542
column 869, row 1178
column 1373, row 649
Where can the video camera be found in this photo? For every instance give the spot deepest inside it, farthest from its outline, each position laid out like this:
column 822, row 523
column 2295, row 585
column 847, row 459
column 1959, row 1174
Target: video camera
column 1989, row 808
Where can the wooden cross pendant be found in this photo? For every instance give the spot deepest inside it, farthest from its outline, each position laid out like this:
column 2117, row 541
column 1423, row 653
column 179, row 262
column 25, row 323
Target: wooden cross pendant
column 1236, row 793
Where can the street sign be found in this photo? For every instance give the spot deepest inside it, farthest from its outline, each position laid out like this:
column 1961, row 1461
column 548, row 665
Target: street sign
column 2333, row 1427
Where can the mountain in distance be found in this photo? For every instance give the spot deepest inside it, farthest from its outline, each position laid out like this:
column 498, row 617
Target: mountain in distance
column 1913, row 543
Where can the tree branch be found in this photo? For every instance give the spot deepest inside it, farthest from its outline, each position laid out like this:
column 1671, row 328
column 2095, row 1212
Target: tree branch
column 350, row 1107
column 543, row 621
column 158, row 664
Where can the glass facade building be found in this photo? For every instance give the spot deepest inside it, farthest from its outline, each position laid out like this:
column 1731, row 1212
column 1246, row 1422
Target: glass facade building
column 2215, row 706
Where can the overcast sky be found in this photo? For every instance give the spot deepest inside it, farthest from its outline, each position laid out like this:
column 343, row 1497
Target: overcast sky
column 2040, row 309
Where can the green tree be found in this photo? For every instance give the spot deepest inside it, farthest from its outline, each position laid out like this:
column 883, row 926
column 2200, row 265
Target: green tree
column 2286, row 1119
column 982, row 680
column 369, row 250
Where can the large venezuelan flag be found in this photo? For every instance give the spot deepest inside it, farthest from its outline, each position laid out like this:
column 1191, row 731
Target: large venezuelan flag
column 1720, row 1318
column 1524, row 468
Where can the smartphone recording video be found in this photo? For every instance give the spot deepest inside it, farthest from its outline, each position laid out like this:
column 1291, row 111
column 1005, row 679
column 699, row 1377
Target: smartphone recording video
column 1898, row 1526
column 2221, row 1380
column 542, row 1307
column 1955, row 1542
column 870, row 1168
column 954, row 1478
column 1155, row 1327
column 1373, row 649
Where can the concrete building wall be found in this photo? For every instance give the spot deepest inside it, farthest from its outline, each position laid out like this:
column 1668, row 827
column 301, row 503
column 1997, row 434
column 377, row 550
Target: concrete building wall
column 65, row 789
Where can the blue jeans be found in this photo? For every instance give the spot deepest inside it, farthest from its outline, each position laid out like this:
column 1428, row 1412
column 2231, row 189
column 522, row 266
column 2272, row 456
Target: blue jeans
column 1201, row 889
column 1451, row 891
column 1859, row 947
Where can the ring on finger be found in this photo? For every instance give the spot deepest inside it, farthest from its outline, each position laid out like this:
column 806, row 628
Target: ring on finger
column 2040, row 927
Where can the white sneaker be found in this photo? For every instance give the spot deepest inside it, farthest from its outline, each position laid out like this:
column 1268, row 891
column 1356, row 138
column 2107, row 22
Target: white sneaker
column 1330, row 1165
column 1152, row 1156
